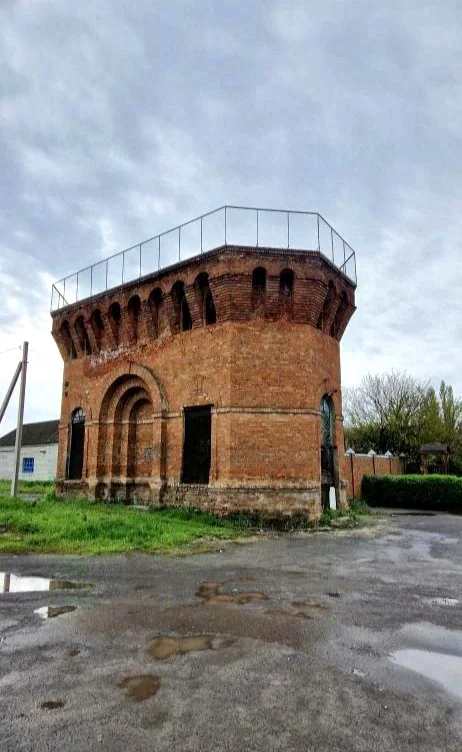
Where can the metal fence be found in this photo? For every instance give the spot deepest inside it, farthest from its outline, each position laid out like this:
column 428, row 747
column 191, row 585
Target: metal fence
column 228, row 225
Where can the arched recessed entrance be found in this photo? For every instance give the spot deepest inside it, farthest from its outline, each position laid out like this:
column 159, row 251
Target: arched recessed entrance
column 131, row 439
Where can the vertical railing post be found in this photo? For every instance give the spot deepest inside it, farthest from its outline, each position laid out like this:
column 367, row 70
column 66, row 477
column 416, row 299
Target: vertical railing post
column 288, row 230
column 344, row 255
column 332, row 242
column 257, row 228
column 319, row 242
column 225, row 223
column 64, row 291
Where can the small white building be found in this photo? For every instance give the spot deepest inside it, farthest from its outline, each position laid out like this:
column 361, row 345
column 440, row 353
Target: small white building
column 39, row 452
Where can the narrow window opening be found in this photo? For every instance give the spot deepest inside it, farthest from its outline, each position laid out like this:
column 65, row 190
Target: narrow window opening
column 338, row 319
column 206, row 302
column 97, row 325
column 181, row 307
column 329, row 299
column 155, row 302
column 258, row 287
column 197, row 444
column 115, row 321
column 76, row 445
column 82, row 335
column 134, row 311
column 65, row 330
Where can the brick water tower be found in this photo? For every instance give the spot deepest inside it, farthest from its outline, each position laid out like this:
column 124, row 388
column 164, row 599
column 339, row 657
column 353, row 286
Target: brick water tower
column 213, row 380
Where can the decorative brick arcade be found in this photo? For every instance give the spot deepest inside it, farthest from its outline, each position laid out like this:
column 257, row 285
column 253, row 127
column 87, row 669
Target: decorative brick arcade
column 214, row 382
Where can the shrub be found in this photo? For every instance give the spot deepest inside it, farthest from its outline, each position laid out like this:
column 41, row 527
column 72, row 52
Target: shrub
column 436, row 492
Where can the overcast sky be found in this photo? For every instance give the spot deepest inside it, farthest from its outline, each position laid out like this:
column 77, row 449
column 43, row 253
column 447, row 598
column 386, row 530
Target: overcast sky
column 121, row 119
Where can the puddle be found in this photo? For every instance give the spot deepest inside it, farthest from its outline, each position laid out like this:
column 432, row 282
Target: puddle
column 164, row 647
column 52, row 704
column 293, row 614
column 441, row 601
column 50, row 612
column 211, row 592
column 440, row 667
column 15, row 583
column 140, row 688
column 308, row 605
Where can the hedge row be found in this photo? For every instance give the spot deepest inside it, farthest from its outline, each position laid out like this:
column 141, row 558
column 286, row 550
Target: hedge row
column 437, row 492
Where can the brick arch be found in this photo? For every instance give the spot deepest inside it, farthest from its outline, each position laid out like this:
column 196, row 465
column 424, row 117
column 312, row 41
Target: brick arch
column 123, row 391
column 153, row 383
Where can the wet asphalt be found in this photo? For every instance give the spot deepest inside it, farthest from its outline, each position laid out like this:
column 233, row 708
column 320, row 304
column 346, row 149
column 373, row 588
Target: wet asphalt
column 326, row 641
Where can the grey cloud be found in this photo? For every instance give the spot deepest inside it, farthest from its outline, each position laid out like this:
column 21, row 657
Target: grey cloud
column 120, row 120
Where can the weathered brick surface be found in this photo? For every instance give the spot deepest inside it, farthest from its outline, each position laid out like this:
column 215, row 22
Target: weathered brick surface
column 263, row 367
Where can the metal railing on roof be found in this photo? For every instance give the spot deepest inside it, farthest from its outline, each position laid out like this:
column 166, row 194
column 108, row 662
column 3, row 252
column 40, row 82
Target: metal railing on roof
column 228, row 225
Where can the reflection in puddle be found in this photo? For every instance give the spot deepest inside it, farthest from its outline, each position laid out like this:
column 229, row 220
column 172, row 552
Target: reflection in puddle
column 441, row 601
column 164, row 647
column 50, row 612
column 440, row 667
column 141, row 687
column 293, row 614
column 210, row 592
column 310, row 606
column 52, row 704
column 15, row 583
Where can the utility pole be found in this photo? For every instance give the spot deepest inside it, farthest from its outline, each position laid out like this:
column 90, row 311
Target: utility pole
column 22, row 394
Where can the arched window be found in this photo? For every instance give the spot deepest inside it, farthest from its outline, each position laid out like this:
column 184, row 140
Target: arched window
column 258, row 286
column 76, row 445
column 115, row 321
column 82, row 335
column 97, row 325
column 180, row 303
column 286, row 289
column 134, row 311
column 65, row 331
column 155, row 302
column 328, row 300
column 327, row 421
column 338, row 319
column 204, row 293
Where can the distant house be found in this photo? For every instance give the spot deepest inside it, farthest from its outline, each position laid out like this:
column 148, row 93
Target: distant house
column 39, row 451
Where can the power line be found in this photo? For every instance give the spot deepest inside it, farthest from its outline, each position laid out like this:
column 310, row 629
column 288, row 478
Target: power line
column 18, row 347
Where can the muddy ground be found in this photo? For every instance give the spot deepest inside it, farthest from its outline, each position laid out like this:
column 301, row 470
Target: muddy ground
column 346, row 641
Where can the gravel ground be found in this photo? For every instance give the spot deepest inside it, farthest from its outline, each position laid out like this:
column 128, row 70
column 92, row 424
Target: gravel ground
column 337, row 641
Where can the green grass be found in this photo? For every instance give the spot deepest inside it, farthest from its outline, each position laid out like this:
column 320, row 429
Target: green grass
column 27, row 486
column 78, row 527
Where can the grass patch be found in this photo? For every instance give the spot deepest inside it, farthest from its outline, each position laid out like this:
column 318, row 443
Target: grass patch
column 78, row 527
column 27, row 486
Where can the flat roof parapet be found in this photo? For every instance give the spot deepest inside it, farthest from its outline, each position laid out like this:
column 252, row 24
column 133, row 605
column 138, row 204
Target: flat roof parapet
column 223, row 227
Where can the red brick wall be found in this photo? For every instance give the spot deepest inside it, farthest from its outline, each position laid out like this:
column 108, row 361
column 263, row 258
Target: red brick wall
column 359, row 465
column 262, row 368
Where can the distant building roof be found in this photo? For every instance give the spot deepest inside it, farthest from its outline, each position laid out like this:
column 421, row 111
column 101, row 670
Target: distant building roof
column 45, row 432
column 435, row 449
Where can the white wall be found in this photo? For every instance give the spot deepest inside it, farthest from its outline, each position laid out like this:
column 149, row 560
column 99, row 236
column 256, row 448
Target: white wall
column 45, row 461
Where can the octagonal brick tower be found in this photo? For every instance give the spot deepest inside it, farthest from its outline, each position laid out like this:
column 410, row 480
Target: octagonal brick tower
column 213, row 382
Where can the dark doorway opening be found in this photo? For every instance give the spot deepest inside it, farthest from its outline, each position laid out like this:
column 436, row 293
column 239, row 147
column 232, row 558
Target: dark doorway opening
column 327, row 450
column 197, row 444
column 77, row 443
